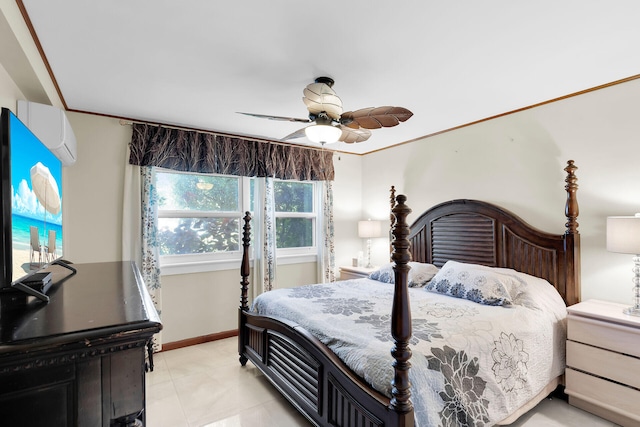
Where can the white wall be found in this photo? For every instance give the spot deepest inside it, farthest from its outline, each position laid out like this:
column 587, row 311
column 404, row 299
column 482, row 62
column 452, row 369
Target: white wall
column 9, row 92
column 347, row 210
column 200, row 304
column 93, row 190
column 517, row 161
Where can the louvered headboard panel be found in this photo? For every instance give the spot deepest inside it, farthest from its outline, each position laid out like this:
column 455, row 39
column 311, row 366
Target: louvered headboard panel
column 465, row 238
column 530, row 258
column 477, row 232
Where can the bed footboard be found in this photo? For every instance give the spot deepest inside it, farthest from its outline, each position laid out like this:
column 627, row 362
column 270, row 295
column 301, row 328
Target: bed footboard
column 312, row 378
column 310, row 375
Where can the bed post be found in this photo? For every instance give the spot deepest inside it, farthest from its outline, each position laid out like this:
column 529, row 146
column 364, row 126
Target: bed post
column 245, row 270
column 392, row 218
column 572, row 236
column 571, row 208
column 401, row 313
column 392, row 202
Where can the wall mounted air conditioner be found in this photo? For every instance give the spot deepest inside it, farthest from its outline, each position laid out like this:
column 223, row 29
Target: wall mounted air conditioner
column 51, row 126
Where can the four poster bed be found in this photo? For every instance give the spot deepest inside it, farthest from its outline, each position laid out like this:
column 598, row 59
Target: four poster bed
column 488, row 333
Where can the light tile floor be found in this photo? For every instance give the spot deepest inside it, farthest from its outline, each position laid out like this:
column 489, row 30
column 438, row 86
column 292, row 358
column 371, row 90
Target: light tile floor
column 205, row 386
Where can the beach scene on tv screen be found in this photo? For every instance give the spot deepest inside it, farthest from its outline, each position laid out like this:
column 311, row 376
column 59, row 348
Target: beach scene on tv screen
column 36, row 202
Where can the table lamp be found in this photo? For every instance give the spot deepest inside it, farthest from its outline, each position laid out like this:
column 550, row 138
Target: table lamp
column 623, row 236
column 366, row 230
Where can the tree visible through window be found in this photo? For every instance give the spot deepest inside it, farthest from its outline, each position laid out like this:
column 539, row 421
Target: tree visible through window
column 197, row 213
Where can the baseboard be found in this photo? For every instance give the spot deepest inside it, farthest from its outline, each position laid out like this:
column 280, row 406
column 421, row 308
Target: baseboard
column 199, row 340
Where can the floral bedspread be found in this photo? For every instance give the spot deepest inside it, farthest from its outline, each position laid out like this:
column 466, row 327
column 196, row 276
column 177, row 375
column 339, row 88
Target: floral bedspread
column 472, row 364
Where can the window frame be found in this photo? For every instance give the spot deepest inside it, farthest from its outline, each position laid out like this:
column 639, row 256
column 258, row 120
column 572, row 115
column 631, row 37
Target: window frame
column 223, row 260
column 230, row 260
column 293, row 254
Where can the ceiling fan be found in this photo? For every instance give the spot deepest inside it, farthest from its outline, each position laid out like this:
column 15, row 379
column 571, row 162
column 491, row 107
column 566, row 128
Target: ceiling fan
column 331, row 124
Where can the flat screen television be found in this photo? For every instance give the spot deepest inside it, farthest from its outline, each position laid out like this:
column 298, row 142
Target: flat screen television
column 31, row 207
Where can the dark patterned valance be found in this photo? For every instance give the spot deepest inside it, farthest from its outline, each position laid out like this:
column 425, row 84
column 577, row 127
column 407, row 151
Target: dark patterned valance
column 191, row 151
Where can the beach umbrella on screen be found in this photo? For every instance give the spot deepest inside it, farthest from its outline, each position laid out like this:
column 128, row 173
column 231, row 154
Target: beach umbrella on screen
column 45, row 188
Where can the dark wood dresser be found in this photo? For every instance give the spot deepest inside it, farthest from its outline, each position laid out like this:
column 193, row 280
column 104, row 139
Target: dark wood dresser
column 80, row 359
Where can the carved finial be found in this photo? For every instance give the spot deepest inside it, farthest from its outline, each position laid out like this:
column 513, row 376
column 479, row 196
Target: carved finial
column 571, row 207
column 400, row 231
column 392, row 218
column 392, row 202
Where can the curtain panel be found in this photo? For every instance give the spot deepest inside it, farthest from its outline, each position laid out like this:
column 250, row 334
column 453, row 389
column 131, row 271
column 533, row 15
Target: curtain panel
column 150, row 268
column 191, row 151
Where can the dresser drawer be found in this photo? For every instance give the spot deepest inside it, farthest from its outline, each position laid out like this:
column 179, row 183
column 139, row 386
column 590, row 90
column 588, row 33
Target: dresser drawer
column 611, row 336
column 617, row 367
column 596, row 392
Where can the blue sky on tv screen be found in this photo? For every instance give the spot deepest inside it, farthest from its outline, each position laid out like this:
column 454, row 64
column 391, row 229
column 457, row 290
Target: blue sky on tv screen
column 26, row 152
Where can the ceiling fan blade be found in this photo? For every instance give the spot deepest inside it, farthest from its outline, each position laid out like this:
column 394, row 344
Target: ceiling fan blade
column 319, row 97
column 375, row 117
column 286, row 119
column 350, row 135
column 297, row 134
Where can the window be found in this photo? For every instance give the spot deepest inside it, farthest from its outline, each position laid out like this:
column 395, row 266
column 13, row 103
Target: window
column 200, row 219
column 295, row 214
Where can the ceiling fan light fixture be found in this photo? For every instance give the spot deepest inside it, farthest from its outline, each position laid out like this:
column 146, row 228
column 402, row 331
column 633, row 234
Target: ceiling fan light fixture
column 331, row 123
column 324, row 134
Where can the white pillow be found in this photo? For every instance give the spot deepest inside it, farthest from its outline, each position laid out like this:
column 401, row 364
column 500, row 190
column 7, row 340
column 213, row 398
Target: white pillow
column 477, row 283
column 419, row 274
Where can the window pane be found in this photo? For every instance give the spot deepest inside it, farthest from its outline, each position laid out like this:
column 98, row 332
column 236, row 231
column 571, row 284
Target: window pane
column 293, row 196
column 197, row 235
column 185, row 191
column 294, row 232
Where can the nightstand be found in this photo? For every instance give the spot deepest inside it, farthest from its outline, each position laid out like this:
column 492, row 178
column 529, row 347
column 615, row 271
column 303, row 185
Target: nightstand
column 603, row 361
column 347, row 273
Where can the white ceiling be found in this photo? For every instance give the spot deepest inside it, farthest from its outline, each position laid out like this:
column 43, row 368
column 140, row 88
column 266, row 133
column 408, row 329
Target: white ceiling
column 196, row 63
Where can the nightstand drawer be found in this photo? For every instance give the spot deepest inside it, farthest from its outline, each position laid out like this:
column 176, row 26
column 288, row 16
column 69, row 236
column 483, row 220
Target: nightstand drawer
column 347, row 273
column 591, row 392
column 611, row 336
column 617, row 367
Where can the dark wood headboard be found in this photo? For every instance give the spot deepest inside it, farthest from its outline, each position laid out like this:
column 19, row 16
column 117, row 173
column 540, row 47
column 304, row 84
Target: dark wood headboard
column 481, row 233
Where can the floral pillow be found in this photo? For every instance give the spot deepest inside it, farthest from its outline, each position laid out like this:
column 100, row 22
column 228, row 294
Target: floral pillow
column 384, row 274
column 477, row 283
column 419, row 274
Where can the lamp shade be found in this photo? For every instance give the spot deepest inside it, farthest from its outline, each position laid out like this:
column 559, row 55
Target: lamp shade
column 623, row 234
column 323, row 133
column 368, row 229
